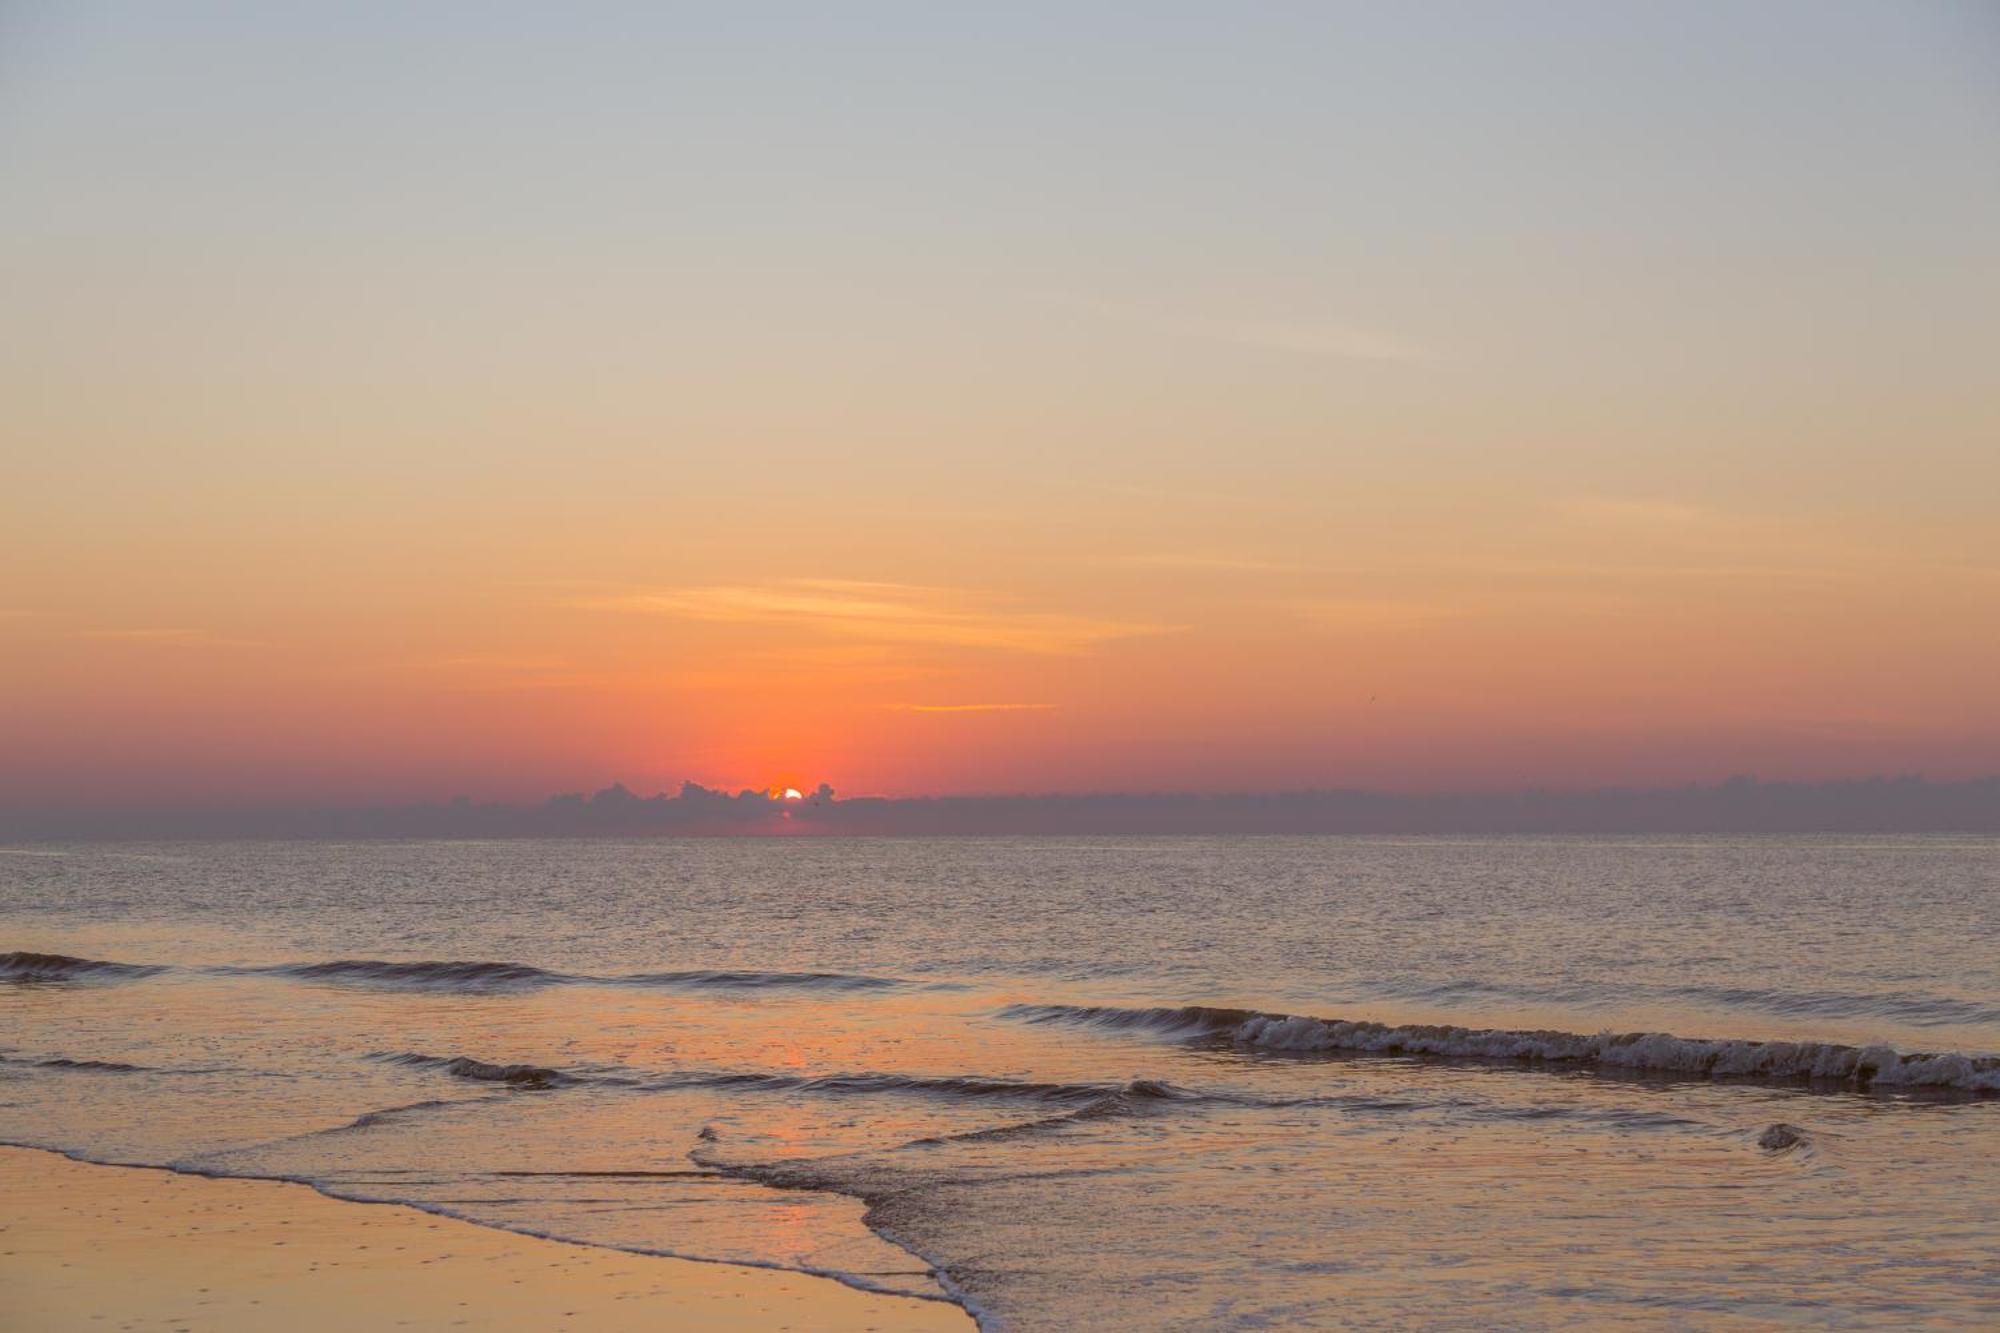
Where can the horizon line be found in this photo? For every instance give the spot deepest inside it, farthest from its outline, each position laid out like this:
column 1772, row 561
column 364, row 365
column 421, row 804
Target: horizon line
column 1886, row 803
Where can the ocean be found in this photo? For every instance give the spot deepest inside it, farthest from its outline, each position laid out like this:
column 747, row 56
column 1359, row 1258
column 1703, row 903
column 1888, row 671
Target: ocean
column 1148, row 1083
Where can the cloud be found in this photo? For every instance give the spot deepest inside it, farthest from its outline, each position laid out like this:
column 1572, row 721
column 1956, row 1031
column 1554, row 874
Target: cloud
column 972, row 708
column 1873, row 805
column 883, row 613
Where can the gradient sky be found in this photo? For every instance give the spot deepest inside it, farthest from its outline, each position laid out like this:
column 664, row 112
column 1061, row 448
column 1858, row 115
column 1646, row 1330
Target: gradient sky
column 399, row 401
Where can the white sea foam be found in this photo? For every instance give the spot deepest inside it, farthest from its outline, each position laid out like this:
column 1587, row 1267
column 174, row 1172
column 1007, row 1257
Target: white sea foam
column 1658, row 1052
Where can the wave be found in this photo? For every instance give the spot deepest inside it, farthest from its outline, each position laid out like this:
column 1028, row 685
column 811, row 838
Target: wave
column 487, row 976
column 440, row 975
column 1812, row 1062
column 447, row 975
column 1133, row 1098
column 93, row 1066
column 972, row 1087
column 707, row 979
column 961, row 1086
column 535, row 1078
column 86, row 1066
column 32, row 967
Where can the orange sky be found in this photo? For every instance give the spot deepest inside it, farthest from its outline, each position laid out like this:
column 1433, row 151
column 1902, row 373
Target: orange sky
column 1370, row 430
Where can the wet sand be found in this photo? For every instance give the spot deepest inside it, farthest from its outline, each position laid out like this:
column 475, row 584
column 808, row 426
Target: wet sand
column 96, row 1247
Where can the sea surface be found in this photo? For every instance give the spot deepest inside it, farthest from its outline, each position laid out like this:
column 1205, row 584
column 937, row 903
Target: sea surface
column 1147, row 1083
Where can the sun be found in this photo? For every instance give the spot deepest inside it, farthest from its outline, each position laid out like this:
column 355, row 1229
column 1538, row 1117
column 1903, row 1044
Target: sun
column 794, row 794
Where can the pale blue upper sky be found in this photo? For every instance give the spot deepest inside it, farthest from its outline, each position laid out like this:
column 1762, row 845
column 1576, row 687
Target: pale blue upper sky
column 1609, row 193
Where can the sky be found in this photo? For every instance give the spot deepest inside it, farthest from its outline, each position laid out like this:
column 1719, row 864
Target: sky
column 405, row 401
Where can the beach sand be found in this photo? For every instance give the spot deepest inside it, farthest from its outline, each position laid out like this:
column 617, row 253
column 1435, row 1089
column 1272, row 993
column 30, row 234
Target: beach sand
column 95, row 1247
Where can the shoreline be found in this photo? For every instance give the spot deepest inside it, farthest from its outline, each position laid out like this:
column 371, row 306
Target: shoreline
column 84, row 1245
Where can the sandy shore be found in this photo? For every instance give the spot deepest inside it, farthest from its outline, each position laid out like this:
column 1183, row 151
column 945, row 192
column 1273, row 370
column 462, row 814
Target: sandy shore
column 119, row 1248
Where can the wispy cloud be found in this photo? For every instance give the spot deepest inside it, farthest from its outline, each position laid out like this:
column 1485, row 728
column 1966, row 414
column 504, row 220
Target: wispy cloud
column 884, row 613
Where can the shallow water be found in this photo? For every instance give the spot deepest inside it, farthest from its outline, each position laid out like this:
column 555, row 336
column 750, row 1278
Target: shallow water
column 1159, row 1083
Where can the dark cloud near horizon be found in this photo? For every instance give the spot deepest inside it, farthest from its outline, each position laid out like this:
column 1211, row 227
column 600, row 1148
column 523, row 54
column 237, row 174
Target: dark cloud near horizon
column 1740, row 805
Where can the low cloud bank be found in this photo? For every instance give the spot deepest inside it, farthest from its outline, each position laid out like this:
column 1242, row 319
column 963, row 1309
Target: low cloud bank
column 1741, row 805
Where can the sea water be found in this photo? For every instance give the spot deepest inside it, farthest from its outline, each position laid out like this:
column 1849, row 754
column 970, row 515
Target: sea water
column 1129, row 1082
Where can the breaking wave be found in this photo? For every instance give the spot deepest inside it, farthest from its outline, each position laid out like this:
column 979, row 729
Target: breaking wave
column 1823, row 1063
column 20, row 966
